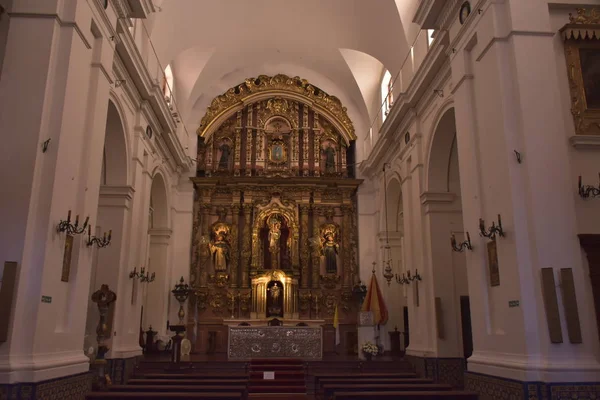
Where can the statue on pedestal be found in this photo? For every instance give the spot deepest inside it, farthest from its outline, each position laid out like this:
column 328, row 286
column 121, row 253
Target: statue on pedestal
column 274, row 238
column 219, row 246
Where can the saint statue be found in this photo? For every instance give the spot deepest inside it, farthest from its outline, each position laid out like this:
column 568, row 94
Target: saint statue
column 224, row 160
column 329, row 158
column 219, row 250
column 330, row 250
column 274, row 236
column 275, row 292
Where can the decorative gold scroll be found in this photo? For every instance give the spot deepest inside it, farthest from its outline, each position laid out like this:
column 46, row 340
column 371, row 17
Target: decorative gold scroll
column 281, row 85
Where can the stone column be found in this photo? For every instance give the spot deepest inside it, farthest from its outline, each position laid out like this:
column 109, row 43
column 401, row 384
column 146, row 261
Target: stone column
column 55, row 91
column 316, row 256
column 246, row 246
column 305, row 249
column 235, row 265
column 536, row 198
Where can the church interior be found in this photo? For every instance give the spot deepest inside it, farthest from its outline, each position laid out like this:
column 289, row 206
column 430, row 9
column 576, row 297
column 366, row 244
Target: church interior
column 341, row 199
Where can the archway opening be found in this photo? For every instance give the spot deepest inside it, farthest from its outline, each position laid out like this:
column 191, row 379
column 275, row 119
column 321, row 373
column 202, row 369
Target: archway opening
column 451, row 292
column 112, row 215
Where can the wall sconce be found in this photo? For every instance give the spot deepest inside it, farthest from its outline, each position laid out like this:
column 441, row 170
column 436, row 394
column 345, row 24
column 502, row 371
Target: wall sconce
column 143, row 276
column 66, row 226
column 587, row 190
column 100, row 242
column 407, row 279
column 491, row 234
column 461, row 247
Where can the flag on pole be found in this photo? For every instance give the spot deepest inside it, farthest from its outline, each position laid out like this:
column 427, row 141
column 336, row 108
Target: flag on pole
column 336, row 325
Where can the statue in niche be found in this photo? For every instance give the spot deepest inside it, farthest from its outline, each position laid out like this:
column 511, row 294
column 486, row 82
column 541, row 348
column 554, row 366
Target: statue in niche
column 274, row 299
column 330, row 251
column 329, row 153
column 329, row 247
column 274, row 239
column 220, row 249
column 225, row 152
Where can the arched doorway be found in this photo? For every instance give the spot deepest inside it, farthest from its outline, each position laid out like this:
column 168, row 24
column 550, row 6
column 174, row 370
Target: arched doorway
column 443, row 213
column 109, row 264
column 157, row 295
column 393, row 236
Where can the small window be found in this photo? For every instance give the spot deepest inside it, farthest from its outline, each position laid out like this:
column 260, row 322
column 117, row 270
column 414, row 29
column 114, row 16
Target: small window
column 430, row 36
column 387, row 95
column 168, row 83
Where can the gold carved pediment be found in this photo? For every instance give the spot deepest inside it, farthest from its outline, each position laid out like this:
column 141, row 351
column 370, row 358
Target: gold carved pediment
column 284, row 90
column 582, row 54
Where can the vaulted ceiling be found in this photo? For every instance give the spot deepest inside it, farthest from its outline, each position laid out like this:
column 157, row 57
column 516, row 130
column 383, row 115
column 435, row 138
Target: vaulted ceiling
column 341, row 46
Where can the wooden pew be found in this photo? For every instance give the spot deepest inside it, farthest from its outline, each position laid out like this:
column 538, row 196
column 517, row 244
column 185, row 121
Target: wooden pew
column 380, row 381
column 163, row 396
column 331, row 389
column 407, row 395
column 195, row 375
column 359, row 375
column 179, row 388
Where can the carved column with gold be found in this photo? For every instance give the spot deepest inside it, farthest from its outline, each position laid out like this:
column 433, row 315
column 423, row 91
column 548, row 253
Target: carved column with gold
column 304, row 245
column 246, row 246
column 203, row 243
column 346, row 246
column 234, row 259
column 316, row 256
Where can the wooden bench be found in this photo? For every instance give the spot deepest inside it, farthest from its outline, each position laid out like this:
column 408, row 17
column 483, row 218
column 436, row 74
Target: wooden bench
column 330, row 390
column 195, row 375
column 365, row 375
column 398, row 381
column 407, row 395
column 196, row 382
column 164, row 396
column 178, row 388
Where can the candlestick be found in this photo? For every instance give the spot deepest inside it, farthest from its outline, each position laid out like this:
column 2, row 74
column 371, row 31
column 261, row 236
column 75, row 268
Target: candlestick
column 69, row 215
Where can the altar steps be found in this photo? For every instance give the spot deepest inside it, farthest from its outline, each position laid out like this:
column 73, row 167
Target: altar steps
column 276, row 377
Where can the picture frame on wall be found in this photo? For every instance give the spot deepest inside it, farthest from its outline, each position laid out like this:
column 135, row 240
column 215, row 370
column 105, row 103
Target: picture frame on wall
column 582, row 55
column 494, row 269
column 66, row 267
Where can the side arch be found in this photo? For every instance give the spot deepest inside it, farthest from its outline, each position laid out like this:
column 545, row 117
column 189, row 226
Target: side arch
column 440, row 148
column 115, row 168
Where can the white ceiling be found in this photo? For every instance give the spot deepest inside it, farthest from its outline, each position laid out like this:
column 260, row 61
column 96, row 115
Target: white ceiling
column 340, row 46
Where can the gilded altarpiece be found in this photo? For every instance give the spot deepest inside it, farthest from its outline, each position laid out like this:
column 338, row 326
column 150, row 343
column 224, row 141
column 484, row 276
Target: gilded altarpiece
column 274, row 232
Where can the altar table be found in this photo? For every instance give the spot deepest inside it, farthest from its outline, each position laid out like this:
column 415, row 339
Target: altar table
column 247, row 342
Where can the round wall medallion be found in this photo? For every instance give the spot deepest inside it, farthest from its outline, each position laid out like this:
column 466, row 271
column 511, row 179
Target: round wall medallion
column 465, row 11
column 407, row 137
column 149, row 131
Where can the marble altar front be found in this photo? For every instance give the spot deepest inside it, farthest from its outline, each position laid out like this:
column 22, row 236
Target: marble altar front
column 247, row 342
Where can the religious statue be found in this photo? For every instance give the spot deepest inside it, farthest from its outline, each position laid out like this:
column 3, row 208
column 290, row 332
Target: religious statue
column 330, row 251
column 275, row 292
column 329, row 158
column 225, row 152
column 274, row 238
column 275, row 300
column 219, row 250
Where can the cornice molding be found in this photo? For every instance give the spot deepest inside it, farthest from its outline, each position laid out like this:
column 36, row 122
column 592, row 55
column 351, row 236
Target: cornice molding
column 150, row 91
column 428, row 13
column 434, row 61
column 59, row 21
column 588, row 142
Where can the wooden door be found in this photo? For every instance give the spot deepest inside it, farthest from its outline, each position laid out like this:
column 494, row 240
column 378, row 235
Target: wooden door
column 465, row 319
column 591, row 245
